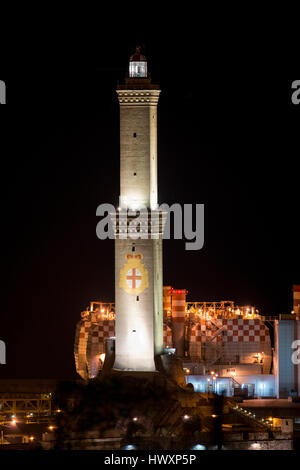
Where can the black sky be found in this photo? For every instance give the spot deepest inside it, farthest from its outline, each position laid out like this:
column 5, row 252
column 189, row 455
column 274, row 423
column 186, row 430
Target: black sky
column 226, row 138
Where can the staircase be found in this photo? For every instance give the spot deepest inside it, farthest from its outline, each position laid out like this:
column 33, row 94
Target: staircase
column 250, row 417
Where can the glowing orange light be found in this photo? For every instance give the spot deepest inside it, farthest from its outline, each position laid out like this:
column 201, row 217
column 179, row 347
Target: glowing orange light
column 102, row 357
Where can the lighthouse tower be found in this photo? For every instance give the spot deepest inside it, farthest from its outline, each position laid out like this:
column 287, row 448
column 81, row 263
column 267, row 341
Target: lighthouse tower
column 138, row 257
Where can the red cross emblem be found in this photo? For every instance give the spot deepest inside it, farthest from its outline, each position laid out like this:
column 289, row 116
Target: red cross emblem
column 133, row 278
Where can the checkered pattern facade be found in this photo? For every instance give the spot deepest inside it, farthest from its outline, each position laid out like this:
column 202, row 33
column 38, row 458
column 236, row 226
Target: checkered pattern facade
column 80, row 344
column 246, row 331
column 90, row 337
column 203, row 331
column 234, row 331
column 89, row 343
column 98, row 332
column 102, row 330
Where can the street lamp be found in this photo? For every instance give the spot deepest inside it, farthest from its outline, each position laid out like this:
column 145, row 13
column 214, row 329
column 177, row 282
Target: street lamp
column 215, row 384
column 3, row 425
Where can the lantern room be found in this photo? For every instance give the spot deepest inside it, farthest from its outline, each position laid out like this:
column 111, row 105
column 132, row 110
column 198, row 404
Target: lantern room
column 138, row 65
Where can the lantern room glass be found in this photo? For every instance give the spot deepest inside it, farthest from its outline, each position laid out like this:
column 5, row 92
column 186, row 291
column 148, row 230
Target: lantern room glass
column 138, row 69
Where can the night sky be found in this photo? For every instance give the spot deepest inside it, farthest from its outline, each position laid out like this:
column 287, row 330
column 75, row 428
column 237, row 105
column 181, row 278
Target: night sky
column 226, row 138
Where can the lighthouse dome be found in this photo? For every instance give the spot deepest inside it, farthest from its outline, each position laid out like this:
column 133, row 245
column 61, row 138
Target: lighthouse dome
column 137, row 56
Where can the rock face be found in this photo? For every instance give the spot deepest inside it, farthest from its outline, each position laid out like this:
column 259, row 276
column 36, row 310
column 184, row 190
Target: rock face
column 129, row 405
column 146, row 409
column 171, row 366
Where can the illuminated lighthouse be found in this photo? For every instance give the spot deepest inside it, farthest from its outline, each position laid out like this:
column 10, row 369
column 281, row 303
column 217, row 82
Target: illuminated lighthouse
column 138, row 256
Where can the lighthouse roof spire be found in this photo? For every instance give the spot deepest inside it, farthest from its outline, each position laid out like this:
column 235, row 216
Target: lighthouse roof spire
column 137, row 56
